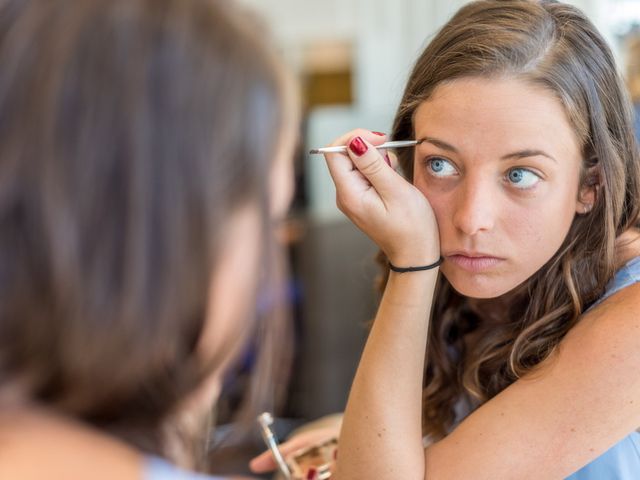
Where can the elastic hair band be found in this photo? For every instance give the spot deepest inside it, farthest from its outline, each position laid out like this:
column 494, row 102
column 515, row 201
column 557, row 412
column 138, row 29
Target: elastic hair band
column 416, row 269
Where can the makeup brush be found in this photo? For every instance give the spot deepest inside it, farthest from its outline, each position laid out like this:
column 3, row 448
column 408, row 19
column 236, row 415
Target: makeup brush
column 265, row 420
column 343, row 148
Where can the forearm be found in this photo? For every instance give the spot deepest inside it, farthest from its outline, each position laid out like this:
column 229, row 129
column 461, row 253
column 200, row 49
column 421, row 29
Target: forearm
column 381, row 435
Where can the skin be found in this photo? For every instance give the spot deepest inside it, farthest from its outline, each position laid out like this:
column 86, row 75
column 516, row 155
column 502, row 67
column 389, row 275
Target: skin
column 508, row 189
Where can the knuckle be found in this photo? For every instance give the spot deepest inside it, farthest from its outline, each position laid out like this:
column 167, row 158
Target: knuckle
column 371, row 166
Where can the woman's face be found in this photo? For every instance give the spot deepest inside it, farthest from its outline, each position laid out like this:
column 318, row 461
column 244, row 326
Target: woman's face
column 500, row 165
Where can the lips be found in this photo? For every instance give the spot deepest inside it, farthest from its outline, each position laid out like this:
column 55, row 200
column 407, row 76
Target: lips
column 474, row 262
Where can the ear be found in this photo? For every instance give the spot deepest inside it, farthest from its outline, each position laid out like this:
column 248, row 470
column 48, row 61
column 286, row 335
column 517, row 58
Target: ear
column 588, row 194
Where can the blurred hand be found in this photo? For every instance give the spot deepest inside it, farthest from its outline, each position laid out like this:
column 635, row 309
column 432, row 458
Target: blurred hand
column 390, row 210
column 310, row 436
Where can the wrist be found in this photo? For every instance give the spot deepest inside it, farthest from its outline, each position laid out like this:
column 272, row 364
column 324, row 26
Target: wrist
column 416, row 268
column 414, row 259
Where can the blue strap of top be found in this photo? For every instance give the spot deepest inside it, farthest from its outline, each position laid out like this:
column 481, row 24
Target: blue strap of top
column 627, row 275
column 622, row 461
column 156, row 468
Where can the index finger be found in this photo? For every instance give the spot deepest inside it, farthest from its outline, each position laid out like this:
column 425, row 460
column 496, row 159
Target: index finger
column 341, row 167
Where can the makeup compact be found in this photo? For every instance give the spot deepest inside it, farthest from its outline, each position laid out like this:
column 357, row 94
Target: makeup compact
column 320, row 457
column 296, row 465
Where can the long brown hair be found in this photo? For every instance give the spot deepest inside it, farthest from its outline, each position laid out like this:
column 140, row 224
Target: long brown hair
column 130, row 131
column 555, row 46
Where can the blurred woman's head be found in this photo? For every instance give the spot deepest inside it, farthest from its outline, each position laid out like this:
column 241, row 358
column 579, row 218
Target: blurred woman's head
column 530, row 157
column 144, row 149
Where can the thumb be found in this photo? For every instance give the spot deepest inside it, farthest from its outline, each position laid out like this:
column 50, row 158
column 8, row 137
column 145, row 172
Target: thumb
column 375, row 165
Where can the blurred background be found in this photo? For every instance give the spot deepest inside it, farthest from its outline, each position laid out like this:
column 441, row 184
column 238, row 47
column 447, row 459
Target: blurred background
column 352, row 58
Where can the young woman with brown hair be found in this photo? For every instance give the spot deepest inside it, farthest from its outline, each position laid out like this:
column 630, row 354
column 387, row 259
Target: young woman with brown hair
column 521, row 211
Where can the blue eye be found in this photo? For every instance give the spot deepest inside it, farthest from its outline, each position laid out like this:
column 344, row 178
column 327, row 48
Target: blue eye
column 522, row 178
column 440, row 167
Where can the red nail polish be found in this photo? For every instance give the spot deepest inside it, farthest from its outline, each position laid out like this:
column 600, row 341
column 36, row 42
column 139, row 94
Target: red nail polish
column 312, row 474
column 379, row 133
column 358, row 146
column 387, row 159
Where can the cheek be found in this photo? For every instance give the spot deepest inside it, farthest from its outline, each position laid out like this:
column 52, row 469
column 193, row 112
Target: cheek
column 281, row 185
column 532, row 235
column 543, row 223
column 527, row 230
column 233, row 288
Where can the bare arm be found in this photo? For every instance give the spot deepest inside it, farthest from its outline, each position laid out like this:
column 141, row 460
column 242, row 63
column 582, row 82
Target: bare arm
column 382, row 432
column 376, row 440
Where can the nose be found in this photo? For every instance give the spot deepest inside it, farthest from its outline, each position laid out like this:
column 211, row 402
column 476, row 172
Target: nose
column 475, row 207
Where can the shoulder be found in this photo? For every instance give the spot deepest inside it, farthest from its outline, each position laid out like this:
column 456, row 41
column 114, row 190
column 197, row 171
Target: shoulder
column 33, row 442
column 611, row 328
column 620, row 306
column 621, row 301
column 574, row 406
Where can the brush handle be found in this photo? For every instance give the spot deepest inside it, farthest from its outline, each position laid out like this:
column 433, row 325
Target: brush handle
column 343, row 148
column 265, row 420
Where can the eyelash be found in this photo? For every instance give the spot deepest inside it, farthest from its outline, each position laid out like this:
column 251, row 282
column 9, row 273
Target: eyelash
column 429, row 162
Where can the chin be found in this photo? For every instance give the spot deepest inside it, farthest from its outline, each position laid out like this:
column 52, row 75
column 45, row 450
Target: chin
column 480, row 286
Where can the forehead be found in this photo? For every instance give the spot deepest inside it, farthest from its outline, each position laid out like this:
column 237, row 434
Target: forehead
column 499, row 112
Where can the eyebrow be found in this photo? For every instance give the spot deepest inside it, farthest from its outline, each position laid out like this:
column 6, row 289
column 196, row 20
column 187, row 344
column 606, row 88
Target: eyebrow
column 527, row 153
column 514, row 155
column 438, row 143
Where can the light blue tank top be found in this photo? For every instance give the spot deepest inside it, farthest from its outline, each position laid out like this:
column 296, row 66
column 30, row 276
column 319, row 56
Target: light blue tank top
column 622, row 461
column 156, row 468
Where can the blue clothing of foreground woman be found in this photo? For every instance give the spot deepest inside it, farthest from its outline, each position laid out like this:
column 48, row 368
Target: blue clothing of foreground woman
column 159, row 469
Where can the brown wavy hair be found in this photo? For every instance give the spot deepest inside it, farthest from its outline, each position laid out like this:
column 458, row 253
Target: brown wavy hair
column 553, row 45
column 130, row 133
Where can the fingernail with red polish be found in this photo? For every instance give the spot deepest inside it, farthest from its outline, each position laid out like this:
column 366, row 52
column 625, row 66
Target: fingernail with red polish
column 312, row 474
column 379, row 133
column 387, row 159
column 358, row 146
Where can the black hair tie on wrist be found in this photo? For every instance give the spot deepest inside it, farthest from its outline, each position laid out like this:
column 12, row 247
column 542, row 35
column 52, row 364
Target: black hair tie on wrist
column 416, row 269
